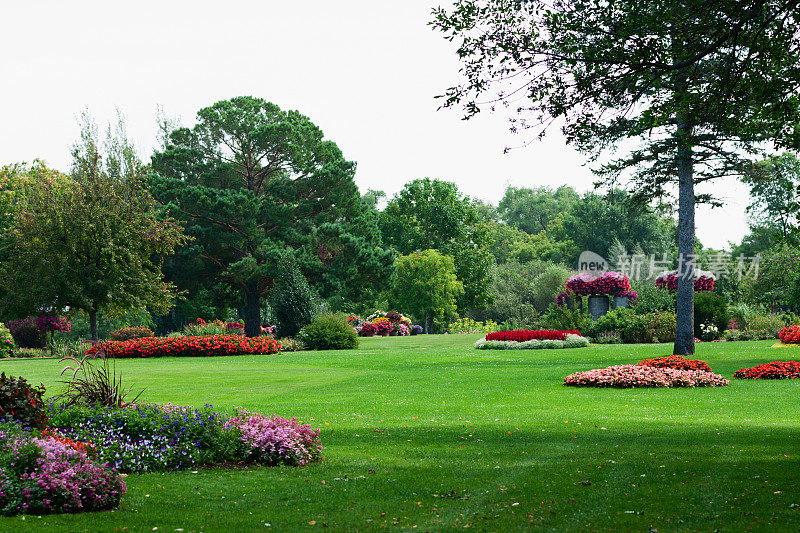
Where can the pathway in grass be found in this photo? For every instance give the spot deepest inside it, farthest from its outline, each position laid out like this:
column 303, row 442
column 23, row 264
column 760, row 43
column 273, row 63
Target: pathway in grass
column 427, row 432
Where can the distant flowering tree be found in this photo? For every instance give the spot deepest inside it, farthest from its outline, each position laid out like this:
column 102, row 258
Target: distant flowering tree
column 50, row 323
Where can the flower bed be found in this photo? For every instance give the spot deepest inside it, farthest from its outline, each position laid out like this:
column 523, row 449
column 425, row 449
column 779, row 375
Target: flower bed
column 790, row 335
column 677, row 362
column 636, row 376
column 149, row 438
column 773, row 370
column 207, row 346
column 570, row 341
column 522, row 335
column 46, row 474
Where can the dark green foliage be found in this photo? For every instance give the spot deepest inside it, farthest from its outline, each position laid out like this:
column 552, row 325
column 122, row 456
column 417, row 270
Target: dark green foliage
column 21, row 402
column 26, row 334
column 710, row 308
column 251, row 181
column 294, row 303
column 329, row 332
column 652, row 298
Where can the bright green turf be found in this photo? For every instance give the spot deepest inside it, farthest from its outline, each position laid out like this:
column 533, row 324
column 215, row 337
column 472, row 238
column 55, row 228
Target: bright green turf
column 428, row 433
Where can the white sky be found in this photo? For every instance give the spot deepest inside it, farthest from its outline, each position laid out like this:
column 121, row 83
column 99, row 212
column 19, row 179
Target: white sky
column 365, row 71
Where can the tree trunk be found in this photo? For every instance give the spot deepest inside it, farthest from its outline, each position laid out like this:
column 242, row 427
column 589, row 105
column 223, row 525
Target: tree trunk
column 684, row 333
column 93, row 324
column 428, row 323
column 252, row 311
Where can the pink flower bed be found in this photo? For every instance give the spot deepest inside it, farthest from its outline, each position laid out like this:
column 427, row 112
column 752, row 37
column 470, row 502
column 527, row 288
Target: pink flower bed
column 275, row 440
column 613, row 283
column 634, row 376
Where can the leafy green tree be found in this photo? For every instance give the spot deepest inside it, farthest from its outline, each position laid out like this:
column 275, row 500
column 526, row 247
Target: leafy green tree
column 93, row 241
column 253, row 181
column 533, row 210
column 688, row 85
column 427, row 286
column 777, row 285
column 433, row 214
column 775, row 190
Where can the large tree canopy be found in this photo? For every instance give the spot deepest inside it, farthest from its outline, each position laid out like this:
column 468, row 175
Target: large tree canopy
column 433, row 214
column 690, row 84
column 92, row 241
column 253, row 181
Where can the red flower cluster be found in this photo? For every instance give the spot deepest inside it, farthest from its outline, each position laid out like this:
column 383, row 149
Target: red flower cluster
column 523, row 335
column 207, row 346
column 85, row 447
column 773, row 370
column 670, row 281
column 613, row 283
column 790, row 335
column 677, row 362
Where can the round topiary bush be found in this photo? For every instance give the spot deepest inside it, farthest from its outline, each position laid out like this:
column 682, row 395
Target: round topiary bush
column 329, row 332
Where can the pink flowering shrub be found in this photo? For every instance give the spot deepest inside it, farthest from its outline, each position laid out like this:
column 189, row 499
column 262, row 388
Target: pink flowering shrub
column 47, row 475
column 275, row 440
column 612, row 283
column 634, row 376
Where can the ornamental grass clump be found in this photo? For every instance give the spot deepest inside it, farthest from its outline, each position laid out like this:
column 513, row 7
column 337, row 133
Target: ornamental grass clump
column 635, row 376
column 677, row 362
column 773, row 370
column 41, row 475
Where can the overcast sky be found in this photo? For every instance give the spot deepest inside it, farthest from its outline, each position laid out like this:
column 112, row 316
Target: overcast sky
column 366, row 72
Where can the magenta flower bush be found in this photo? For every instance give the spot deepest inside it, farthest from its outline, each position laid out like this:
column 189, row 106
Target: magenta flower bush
column 611, row 283
column 633, row 376
column 669, row 280
column 275, row 440
column 53, row 323
column 47, row 475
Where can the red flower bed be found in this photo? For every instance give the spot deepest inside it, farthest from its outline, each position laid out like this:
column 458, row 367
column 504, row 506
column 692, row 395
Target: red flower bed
column 206, row 346
column 522, row 335
column 790, row 335
column 773, row 370
column 677, row 362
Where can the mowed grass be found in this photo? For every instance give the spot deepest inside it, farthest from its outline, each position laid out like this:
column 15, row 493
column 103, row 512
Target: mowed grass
column 426, row 433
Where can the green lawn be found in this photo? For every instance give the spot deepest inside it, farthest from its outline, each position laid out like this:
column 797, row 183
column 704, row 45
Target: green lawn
column 427, row 433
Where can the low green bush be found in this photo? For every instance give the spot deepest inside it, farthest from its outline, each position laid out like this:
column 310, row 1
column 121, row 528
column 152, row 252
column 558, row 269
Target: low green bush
column 329, row 332
column 709, row 308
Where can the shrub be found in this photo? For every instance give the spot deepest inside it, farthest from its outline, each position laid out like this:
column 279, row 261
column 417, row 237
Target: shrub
column 416, row 329
column 773, row 370
column 26, row 334
column 210, row 346
column 21, row 402
column 330, row 332
column 292, row 345
column 662, row 326
column 709, row 332
column 651, row 299
column 709, row 308
column 615, row 320
column 634, row 376
column 6, row 342
column 134, row 332
column 677, row 362
column 51, row 475
column 527, row 335
column 790, row 335
column 765, row 326
column 294, row 303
